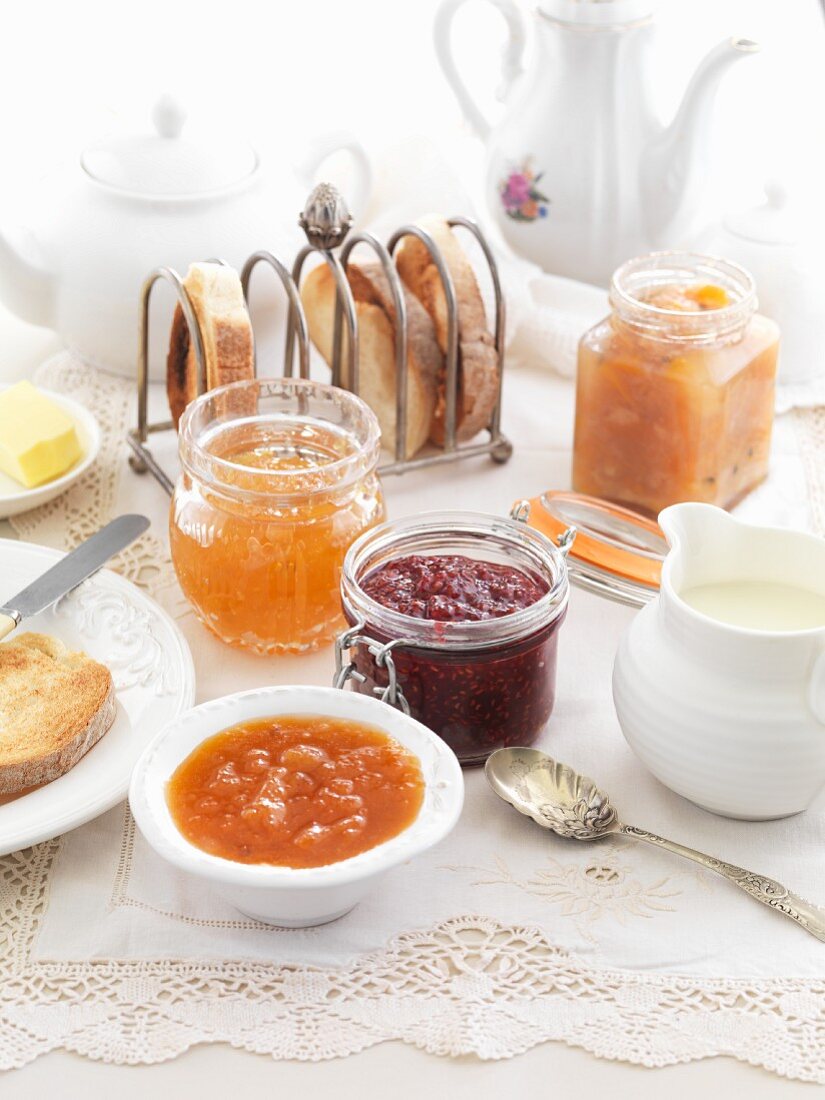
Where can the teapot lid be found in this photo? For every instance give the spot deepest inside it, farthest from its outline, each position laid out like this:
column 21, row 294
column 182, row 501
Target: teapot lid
column 597, row 12
column 774, row 222
column 616, row 553
column 167, row 163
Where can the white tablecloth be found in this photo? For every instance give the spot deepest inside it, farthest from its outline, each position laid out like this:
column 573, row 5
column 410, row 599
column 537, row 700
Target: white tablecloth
column 500, row 938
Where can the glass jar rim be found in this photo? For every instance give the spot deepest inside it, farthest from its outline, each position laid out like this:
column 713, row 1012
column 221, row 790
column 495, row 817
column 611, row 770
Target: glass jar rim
column 400, row 536
column 201, row 463
column 661, row 268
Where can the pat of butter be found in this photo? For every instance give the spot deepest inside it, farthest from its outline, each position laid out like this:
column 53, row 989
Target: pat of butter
column 38, row 439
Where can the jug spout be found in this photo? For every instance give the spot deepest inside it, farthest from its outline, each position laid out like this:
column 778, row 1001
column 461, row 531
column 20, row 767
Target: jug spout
column 27, row 288
column 673, row 164
column 699, row 536
column 692, row 524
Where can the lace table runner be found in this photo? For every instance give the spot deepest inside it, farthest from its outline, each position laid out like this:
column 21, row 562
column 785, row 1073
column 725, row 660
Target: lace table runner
column 501, row 938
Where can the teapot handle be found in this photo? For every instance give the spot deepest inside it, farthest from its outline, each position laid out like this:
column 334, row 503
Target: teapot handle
column 512, row 54
column 324, row 146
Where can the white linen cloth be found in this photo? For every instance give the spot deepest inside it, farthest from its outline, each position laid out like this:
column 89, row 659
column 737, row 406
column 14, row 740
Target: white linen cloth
column 502, row 937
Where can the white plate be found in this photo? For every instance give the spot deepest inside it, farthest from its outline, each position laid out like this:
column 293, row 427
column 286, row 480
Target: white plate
column 14, row 498
column 151, row 665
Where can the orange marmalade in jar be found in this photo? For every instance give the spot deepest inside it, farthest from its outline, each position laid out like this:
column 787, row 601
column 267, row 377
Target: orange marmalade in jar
column 279, row 478
column 675, row 389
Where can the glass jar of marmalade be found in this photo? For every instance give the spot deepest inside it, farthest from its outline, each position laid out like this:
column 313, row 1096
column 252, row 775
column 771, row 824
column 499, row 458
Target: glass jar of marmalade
column 455, row 616
column 279, row 478
column 675, row 389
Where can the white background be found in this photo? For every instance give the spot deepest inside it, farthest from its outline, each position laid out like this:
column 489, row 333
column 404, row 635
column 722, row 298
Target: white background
column 277, row 71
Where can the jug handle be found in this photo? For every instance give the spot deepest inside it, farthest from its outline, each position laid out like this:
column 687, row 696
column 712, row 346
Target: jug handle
column 512, row 54
column 324, row 146
column 816, row 688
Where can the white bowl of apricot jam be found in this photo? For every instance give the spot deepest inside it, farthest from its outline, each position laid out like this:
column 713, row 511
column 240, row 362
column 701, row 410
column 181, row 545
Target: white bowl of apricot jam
column 294, row 801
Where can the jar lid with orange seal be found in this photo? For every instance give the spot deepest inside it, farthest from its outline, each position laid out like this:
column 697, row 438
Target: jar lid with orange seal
column 611, row 550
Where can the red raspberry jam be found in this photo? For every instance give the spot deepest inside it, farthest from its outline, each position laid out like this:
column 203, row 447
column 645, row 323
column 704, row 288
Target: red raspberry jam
column 451, row 588
column 476, row 640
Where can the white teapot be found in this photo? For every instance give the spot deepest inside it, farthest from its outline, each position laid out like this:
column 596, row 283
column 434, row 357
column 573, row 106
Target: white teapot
column 773, row 242
column 581, row 175
column 719, row 683
column 137, row 202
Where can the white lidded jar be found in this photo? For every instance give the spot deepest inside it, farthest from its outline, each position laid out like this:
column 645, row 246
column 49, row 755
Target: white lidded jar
column 730, row 716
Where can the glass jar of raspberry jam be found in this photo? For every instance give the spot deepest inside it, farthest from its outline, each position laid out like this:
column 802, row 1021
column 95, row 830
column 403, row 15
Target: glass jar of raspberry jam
column 454, row 617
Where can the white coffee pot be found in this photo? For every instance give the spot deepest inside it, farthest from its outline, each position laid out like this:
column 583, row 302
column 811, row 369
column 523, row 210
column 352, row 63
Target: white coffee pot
column 581, row 174
column 135, row 202
column 732, row 718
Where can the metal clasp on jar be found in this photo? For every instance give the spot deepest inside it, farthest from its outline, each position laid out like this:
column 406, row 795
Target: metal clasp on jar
column 520, row 513
column 382, row 654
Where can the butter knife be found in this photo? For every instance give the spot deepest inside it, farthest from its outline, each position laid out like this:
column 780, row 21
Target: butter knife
column 70, row 571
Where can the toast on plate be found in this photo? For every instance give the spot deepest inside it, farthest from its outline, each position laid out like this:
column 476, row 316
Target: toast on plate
column 478, row 366
column 55, row 705
column 377, row 320
column 228, row 345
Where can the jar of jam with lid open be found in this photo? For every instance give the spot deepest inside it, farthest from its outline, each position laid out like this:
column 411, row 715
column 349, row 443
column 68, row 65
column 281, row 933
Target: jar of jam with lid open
column 279, row 478
column 675, row 388
column 454, row 616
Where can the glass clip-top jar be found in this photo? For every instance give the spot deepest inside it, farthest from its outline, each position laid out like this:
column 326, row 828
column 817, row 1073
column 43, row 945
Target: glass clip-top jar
column 675, row 388
column 279, row 479
column 479, row 683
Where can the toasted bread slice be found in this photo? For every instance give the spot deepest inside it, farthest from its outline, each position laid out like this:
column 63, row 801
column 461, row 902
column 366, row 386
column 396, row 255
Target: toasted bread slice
column 375, row 310
column 478, row 365
column 54, row 706
column 229, row 349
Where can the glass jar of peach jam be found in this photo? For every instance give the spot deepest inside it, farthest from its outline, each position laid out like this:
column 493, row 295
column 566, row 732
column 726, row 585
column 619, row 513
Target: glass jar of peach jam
column 675, row 389
column 278, row 479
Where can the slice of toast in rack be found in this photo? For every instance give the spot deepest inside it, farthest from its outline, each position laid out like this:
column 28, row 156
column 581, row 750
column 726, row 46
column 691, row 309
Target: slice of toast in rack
column 229, row 350
column 478, row 366
column 375, row 310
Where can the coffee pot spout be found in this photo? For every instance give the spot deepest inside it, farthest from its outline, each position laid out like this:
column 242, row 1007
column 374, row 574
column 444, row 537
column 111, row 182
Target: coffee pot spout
column 27, row 287
column 673, row 165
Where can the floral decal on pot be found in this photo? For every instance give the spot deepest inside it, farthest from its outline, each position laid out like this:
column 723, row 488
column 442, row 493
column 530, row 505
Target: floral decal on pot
column 520, row 195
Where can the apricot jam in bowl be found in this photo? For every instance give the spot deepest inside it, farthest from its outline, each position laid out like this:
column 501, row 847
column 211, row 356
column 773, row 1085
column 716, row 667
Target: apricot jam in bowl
column 454, row 617
column 294, row 801
column 278, row 479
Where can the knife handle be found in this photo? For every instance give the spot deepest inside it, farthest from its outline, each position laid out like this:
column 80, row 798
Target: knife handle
column 7, row 624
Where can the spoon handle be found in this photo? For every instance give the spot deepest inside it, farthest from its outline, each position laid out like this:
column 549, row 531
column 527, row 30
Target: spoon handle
column 764, row 889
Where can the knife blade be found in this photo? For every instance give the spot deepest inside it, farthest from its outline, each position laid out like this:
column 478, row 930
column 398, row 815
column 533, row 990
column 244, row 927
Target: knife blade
column 71, row 570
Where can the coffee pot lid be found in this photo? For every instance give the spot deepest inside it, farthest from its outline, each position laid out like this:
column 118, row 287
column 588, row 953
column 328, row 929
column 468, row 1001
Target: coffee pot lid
column 597, row 12
column 169, row 162
column 616, row 553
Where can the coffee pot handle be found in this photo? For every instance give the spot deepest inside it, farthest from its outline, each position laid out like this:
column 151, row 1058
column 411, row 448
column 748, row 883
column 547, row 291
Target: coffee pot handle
column 512, row 54
column 816, row 687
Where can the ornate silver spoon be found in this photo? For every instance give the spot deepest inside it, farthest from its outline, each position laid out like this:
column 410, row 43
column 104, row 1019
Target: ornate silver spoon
column 572, row 805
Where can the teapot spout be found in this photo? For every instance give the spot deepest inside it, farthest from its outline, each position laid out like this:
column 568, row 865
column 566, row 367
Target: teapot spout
column 27, row 288
column 673, row 165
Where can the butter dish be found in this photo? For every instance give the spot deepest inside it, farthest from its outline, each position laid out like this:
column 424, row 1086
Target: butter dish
column 16, row 498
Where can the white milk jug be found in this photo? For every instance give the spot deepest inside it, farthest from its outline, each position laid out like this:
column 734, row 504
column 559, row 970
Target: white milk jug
column 719, row 683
